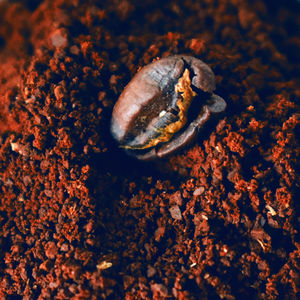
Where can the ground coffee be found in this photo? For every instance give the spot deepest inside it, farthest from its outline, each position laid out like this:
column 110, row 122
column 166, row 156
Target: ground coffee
column 80, row 219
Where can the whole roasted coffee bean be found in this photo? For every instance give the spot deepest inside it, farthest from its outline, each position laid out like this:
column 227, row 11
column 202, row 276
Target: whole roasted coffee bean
column 164, row 106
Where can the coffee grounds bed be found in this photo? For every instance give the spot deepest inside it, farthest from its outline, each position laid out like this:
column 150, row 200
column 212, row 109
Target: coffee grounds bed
column 79, row 219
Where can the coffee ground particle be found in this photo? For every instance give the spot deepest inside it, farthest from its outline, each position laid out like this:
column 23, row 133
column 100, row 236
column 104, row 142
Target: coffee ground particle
column 80, row 220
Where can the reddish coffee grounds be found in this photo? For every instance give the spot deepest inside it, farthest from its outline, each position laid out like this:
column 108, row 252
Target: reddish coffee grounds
column 79, row 219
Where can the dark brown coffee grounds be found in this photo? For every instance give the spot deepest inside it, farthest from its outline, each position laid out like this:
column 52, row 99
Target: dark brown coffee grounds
column 81, row 220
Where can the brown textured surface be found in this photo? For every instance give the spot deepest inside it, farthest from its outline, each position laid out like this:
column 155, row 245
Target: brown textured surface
column 81, row 220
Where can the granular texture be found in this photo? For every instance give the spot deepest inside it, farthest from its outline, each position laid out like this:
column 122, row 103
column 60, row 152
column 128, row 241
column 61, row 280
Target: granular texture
column 81, row 220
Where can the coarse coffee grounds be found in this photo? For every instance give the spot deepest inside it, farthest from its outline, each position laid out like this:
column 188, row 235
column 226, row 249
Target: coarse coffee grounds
column 81, row 220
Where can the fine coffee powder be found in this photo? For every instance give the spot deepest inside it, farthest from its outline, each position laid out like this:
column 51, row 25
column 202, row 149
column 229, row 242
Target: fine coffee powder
column 80, row 219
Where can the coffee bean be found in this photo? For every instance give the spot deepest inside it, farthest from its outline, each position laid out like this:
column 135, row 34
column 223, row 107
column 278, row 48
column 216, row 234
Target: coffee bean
column 163, row 107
